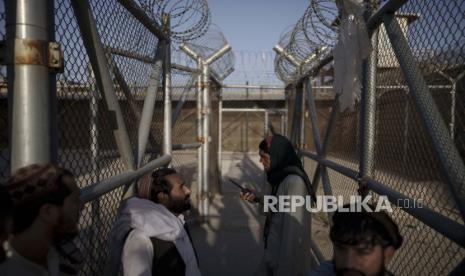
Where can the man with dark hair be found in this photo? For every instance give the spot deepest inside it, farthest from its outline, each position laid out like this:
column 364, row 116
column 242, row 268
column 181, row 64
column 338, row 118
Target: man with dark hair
column 45, row 215
column 363, row 243
column 153, row 231
column 5, row 221
column 286, row 234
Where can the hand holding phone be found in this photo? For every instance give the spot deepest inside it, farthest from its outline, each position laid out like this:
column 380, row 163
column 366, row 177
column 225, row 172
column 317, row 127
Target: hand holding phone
column 247, row 194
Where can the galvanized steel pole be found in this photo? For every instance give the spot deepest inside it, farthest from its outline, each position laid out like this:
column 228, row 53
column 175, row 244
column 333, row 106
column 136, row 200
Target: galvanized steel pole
column 267, row 122
column 206, row 134
column 302, row 119
column 220, row 134
column 94, row 131
column 149, row 103
column 368, row 115
column 200, row 139
column 31, row 84
column 167, row 127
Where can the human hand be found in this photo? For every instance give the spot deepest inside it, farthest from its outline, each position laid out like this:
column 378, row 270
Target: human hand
column 250, row 195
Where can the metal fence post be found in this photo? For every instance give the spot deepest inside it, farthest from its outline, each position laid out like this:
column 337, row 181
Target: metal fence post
column 286, row 114
column 295, row 133
column 406, row 127
column 302, row 117
column 206, row 134
column 302, row 143
column 94, row 152
column 31, row 83
column 453, row 96
column 449, row 158
column 267, row 123
column 368, row 115
column 94, row 131
column 313, row 115
column 201, row 138
column 149, row 103
column 167, row 114
column 220, row 135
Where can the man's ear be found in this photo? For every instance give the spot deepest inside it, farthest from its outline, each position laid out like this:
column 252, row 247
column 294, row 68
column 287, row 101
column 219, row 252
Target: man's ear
column 162, row 197
column 389, row 254
column 50, row 214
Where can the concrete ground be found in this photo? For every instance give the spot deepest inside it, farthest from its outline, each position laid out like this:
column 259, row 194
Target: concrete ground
column 231, row 242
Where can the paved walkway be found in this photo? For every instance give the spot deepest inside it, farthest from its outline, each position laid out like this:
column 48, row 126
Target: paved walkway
column 231, row 243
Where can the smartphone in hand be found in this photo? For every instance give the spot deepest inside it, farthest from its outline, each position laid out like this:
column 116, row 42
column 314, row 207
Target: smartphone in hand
column 244, row 190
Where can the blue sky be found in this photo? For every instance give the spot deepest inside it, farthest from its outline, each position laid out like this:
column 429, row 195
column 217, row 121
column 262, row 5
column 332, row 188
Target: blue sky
column 255, row 24
column 252, row 28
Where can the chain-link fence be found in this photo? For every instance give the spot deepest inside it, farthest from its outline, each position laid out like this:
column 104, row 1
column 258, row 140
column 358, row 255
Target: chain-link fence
column 95, row 116
column 86, row 141
column 409, row 163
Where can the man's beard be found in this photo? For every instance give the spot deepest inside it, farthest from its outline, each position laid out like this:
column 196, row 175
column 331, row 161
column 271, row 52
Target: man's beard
column 66, row 229
column 179, row 206
column 345, row 271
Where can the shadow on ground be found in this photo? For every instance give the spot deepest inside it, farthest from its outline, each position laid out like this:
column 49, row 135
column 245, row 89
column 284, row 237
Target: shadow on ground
column 231, row 242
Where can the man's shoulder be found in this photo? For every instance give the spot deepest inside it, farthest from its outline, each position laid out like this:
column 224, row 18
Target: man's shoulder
column 324, row 269
column 138, row 236
column 137, row 244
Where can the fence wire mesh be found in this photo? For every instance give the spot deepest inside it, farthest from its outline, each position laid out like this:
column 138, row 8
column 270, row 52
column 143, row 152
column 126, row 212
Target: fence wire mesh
column 86, row 127
column 86, row 141
column 405, row 159
column 184, row 100
column 404, row 155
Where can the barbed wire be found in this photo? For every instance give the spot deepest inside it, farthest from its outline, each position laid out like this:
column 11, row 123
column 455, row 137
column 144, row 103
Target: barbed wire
column 314, row 32
column 190, row 23
column 190, row 19
column 311, row 38
column 254, row 68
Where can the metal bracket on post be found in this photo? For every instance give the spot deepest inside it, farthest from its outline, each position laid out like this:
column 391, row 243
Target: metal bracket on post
column 202, row 84
column 55, row 57
column 281, row 51
column 205, row 111
column 31, row 82
column 33, row 52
